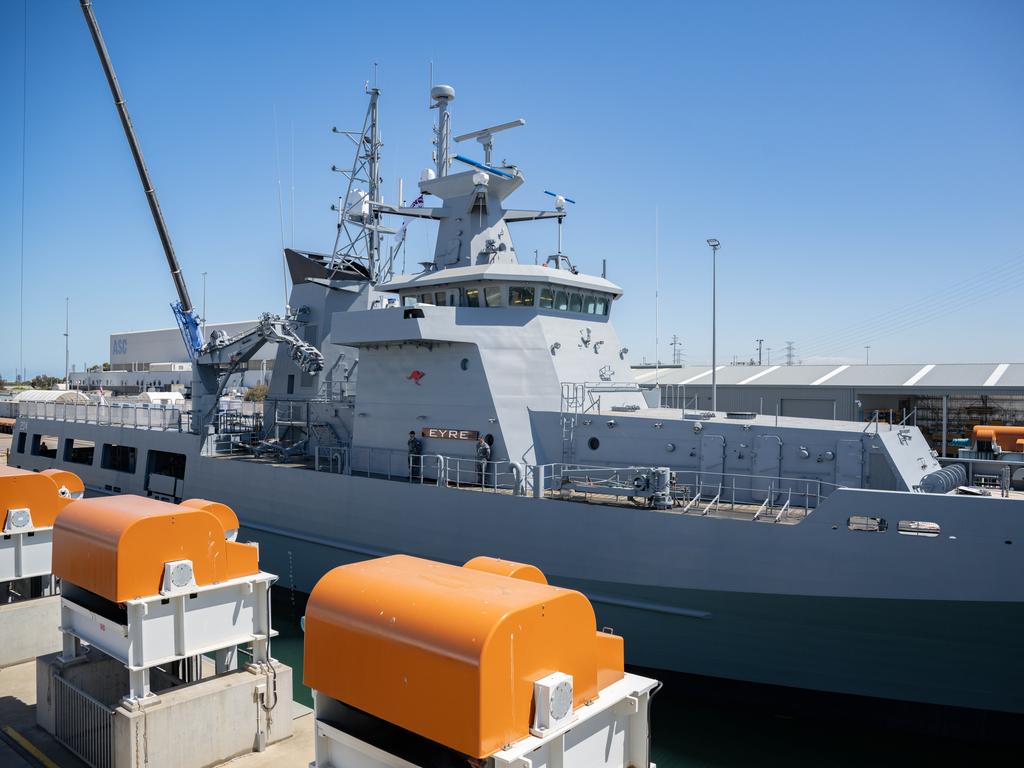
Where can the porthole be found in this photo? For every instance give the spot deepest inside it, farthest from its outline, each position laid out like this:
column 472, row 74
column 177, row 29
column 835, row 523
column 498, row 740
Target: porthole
column 464, row 365
column 670, row 447
column 593, row 443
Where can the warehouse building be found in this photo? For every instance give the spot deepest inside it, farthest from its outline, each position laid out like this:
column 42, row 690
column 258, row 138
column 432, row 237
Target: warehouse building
column 940, row 398
column 148, row 361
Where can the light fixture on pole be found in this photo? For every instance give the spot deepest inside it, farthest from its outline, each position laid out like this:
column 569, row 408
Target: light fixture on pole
column 714, row 245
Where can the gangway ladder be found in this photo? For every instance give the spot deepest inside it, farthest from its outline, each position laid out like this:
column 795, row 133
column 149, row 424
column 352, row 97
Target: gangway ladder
column 572, row 405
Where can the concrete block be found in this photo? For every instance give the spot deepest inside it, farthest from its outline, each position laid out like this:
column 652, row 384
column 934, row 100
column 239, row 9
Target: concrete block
column 187, row 725
column 29, row 629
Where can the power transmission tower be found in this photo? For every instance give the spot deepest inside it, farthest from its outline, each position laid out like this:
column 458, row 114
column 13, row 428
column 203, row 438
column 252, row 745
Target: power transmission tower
column 760, row 349
column 677, row 350
column 790, row 352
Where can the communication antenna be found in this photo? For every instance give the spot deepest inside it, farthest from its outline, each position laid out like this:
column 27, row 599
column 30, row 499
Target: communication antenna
column 486, row 136
column 560, row 201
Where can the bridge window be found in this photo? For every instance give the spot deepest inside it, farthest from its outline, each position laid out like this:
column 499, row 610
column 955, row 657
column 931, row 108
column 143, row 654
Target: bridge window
column 79, row 451
column 21, row 441
column 472, row 297
column 562, row 301
column 520, row 296
column 575, row 302
column 590, row 304
column 492, row 295
column 547, row 298
column 119, row 458
column 601, row 304
column 440, row 298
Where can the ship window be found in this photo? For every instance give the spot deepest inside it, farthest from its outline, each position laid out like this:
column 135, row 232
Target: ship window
column 408, row 301
column 424, row 298
column 472, row 297
column 575, row 302
column 562, row 301
column 492, row 295
column 590, row 304
column 520, row 296
column 167, row 463
column 45, row 446
column 21, row 441
column 439, row 298
column 120, row 458
column 602, row 304
column 547, row 298
column 864, row 523
column 918, row 528
column 79, row 451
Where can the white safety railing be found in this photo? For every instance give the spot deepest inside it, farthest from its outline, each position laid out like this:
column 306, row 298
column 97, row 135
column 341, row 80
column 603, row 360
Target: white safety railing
column 132, row 415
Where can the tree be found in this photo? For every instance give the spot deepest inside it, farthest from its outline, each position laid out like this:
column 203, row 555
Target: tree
column 256, row 394
column 43, row 381
column 106, row 366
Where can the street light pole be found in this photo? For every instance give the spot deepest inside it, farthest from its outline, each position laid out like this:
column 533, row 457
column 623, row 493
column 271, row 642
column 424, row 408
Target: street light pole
column 867, row 354
column 715, row 245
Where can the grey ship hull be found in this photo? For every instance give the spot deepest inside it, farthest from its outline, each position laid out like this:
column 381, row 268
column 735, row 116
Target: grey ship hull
column 812, row 605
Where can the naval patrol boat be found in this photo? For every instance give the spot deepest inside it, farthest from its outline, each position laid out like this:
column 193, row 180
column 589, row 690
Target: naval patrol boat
column 817, row 554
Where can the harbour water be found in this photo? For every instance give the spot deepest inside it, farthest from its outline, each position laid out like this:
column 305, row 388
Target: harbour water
column 702, row 723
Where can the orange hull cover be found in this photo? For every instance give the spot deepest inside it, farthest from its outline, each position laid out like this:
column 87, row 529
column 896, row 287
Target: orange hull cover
column 116, row 546
column 37, row 491
column 450, row 653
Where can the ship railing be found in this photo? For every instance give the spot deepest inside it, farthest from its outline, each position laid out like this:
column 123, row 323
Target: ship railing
column 696, row 491
column 129, row 415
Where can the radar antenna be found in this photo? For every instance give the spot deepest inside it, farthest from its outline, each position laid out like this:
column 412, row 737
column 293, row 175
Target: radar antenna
column 486, row 136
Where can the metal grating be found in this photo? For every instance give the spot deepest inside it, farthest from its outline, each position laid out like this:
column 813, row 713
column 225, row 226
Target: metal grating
column 83, row 724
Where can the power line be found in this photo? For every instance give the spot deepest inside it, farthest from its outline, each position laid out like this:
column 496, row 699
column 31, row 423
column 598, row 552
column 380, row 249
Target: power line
column 677, row 350
column 886, row 326
column 934, row 304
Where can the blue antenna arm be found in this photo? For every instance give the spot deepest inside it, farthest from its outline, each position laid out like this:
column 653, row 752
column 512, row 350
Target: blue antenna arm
column 484, row 167
column 188, row 324
column 555, row 194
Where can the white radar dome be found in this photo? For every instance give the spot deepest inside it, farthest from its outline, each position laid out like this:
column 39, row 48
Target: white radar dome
column 439, row 92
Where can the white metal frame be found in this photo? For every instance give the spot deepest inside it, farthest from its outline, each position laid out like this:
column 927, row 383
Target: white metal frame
column 28, row 551
column 172, row 626
column 610, row 732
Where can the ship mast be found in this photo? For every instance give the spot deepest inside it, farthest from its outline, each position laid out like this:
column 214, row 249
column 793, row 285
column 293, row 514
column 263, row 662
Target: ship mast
column 442, row 95
column 359, row 220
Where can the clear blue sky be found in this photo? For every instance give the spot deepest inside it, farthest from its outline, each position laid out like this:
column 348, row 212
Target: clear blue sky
column 862, row 163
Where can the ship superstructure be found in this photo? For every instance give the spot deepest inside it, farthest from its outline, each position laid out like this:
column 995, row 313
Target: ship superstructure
column 791, row 551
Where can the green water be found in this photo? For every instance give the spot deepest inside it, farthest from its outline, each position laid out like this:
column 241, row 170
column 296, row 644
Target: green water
column 698, row 723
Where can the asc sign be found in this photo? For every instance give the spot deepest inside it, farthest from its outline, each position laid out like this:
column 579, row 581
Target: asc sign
column 450, row 434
